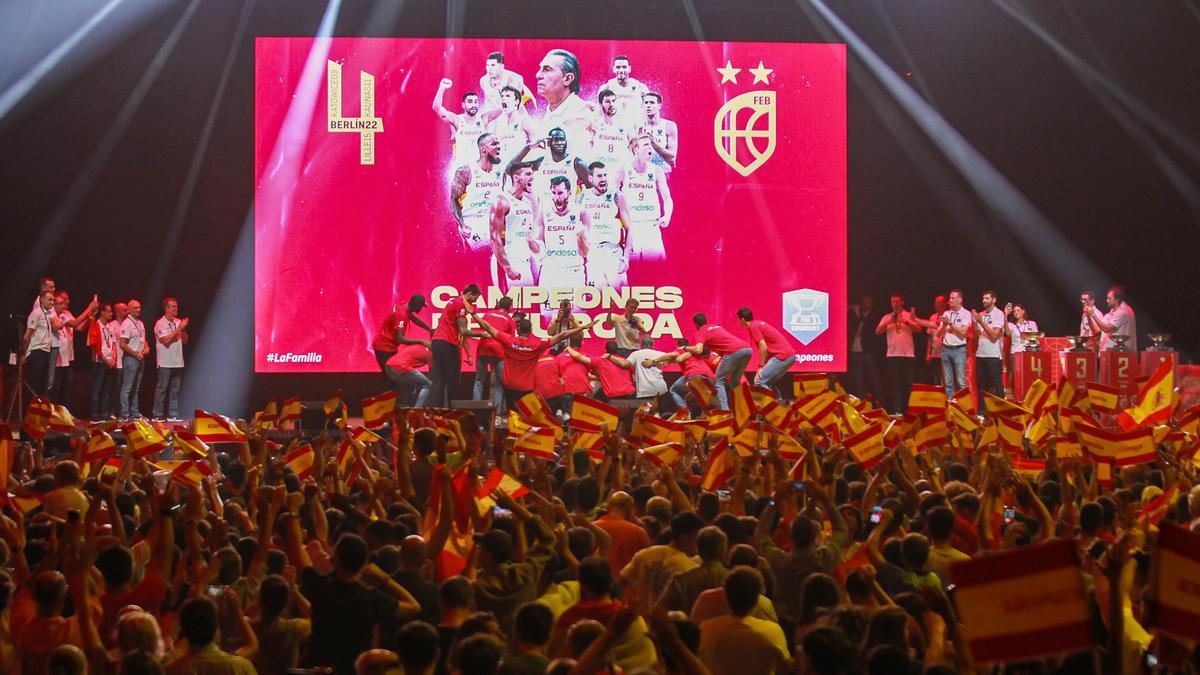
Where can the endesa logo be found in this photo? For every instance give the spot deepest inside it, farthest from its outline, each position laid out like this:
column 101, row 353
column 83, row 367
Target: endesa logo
column 806, row 313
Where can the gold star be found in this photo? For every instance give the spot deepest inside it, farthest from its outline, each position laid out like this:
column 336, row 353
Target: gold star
column 760, row 73
column 729, row 73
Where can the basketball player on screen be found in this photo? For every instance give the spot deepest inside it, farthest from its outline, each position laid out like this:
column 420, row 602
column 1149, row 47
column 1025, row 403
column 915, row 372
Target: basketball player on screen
column 465, row 128
column 610, row 133
column 645, row 190
column 496, row 79
column 607, row 215
column 512, row 218
column 560, row 236
column 627, row 90
column 472, row 191
column 558, row 81
column 555, row 163
column 663, row 133
column 512, row 126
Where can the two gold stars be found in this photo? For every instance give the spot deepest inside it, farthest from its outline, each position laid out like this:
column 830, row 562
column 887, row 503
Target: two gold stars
column 729, row 73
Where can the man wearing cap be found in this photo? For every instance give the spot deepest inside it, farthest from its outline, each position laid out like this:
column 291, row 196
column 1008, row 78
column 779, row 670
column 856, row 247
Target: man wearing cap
column 502, row 585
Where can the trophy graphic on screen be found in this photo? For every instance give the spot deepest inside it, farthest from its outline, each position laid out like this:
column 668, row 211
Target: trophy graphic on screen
column 806, row 313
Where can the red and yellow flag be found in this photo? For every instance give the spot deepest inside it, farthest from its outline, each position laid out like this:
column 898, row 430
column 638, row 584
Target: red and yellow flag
column 967, row 401
column 1174, row 604
column 143, row 439
column 190, row 443
column 704, row 390
column 591, row 442
column 1037, row 432
column 866, row 447
column 588, row 414
column 191, row 472
column 291, row 410
column 664, row 454
column 334, row 404
column 926, row 399
column 855, row 422
column 720, row 468
column 1034, row 395
column 214, row 428
column 742, row 401
column 268, row 417
column 1103, row 398
column 652, row 430
column 998, row 407
column 533, row 407
column 6, row 457
column 497, row 479
column 537, row 441
column 1121, row 449
column 987, row 437
column 378, row 409
column 1155, row 399
column 100, row 446
column 37, row 417
column 1023, row 604
column 300, row 461
column 960, row 419
column 933, row 432
column 1011, row 432
column 805, row 385
column 721, row 424
column 821, row 410
column 60, row 419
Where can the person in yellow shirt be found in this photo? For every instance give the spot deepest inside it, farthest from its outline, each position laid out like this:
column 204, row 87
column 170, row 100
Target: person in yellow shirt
column 739, row 643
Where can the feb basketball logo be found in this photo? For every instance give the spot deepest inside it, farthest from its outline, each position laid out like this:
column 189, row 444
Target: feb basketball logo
column 366, row 125
column 744, row 129
column 806, row 313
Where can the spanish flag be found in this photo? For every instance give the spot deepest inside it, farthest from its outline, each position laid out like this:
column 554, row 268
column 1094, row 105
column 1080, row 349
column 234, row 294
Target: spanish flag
column 998, row 407
column 6, row 456
column 987, row 437
column 1037, row 432
column 1103, row 398
column 334, row 404
column 721, row 424
column 100, row 446
column 190, row 443
column 538, row 442
column 933, row 432
column 866, row 447
column 1189, row 421
column 378, row 409
column 926, row 399
column 191, row 472
column 821, row 410
column 290, row 412
column 365, row 435
column 1067, row 393
column 749, row 439
column 268, row 418
column 967, row 401
column 61, row 419
column 1011, row 432
column 1066, row 448
column 1024, row 604
column 346, row 454
column 762, row 396
column 534, row 408
column 1028, row 468
column 703, row 390
column 694, row 428
column 960, row 419
column 588, row 414
column 214, row 428
column 742, row 400
column 664, row 454
column 1034, row 395
column 1123, row 449
column 143, row 439
column 517, row 425
column 809, row 384
column 1176, row 566
column 789, row 448
column 37, row 417
column 1155, row 399
column 773, row 412
column 653, row 430
column 300, row 461
column 591, row 442
column 855, row 422
column 497, row 479
column 720, row 467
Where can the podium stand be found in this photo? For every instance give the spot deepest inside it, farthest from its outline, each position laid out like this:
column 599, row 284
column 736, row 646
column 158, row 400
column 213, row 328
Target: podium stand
column 1027, row 367
column 1152, row 360
column 1078, row 368
column 1120, row 370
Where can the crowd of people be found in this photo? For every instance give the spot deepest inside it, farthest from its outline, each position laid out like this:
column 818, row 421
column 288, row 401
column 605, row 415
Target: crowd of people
column 118, row 346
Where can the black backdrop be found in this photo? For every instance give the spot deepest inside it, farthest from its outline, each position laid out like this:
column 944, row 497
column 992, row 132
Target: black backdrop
column 1110, row 161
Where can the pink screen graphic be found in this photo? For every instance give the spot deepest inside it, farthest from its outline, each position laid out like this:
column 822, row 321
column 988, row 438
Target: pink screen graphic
column 723, row 185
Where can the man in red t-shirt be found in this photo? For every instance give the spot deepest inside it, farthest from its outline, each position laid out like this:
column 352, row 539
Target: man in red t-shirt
column 735, row 354
column 775, row 355
column 615, row 373
column 690, row 367
column 489, row 358
column 402, row 369
column 576, row 380
column 521, row 354
column 395, row 329
column 448, row 338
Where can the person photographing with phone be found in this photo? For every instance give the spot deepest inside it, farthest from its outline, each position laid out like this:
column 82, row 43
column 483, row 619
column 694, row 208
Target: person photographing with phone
column 901, row 356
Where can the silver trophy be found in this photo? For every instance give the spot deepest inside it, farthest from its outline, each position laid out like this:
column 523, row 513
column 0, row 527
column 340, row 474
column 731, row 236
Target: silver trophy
column 1031, row 339
column 1078, row 343
column 1160, row 341
column 1119, row 343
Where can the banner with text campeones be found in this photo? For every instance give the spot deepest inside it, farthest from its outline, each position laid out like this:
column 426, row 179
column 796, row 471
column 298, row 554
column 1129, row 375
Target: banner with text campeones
column 692, row 176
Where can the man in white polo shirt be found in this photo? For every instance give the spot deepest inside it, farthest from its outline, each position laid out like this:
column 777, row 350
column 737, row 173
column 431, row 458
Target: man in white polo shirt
column 170, row 334
column 1088, row 300
column 953, row 335
column 63, row 375
column 134, row 349
column 990, row 325
column 901, row 358
column 648, row 378
column 1119, row 320
column 38, row 342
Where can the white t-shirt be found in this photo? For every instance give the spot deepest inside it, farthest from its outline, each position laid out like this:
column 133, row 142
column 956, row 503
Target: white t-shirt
column 899, row 335
column 170, row 356
column 629, row 98
column 43, row 332
column 986, row 349
column 1015, row 330
column 1122, row 317
column 649, row 381
column 114, row 331
column 959, row 318
column 66, row 340
column 134, row 331
column 935, row 345
column 573, row 117
column 1085, row 326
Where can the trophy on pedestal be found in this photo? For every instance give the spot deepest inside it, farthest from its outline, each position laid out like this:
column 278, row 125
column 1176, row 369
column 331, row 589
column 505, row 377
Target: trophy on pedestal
column 1119, row 343
column 1078, row 343
column 1031, row 340
column 1160, row 341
